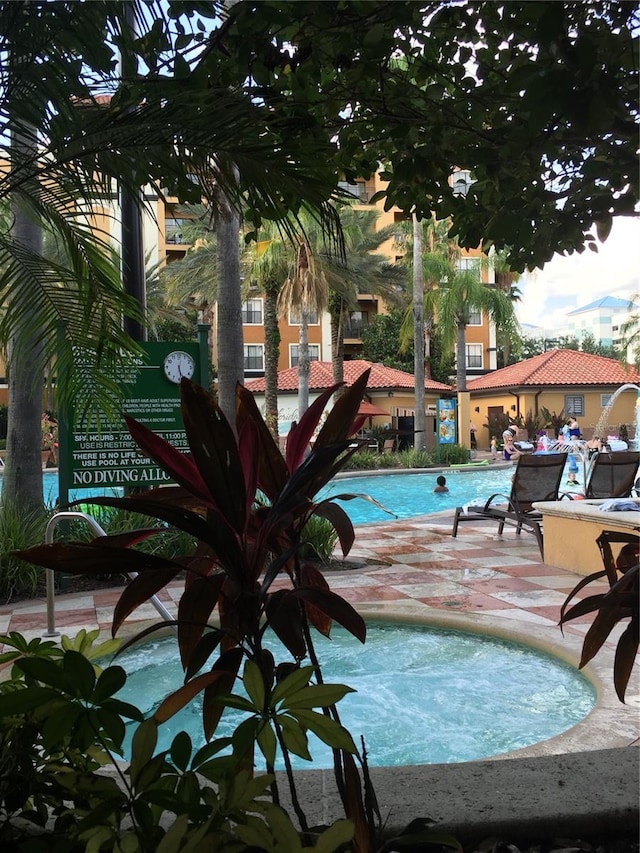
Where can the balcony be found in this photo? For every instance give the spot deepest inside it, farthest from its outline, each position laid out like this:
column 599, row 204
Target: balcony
column 358, row 190
column 173, row 235
column 354, row 329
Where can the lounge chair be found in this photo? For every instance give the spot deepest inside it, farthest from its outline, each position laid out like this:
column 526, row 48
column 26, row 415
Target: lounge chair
column 612, row 475
column 536, row 478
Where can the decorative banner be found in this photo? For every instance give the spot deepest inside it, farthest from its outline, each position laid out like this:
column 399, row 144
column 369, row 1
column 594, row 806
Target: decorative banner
column 107, row 457
column 446, row 422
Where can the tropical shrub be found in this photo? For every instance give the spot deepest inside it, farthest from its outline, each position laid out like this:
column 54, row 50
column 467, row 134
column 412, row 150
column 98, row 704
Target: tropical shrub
column 61, row 723
column 535, row 422
column 412, row 458
column 247, row 507
column 553, row 421
column 20, row 527
column 363, row 460
column 498, row 423
column 454, row 454
column 166, row 542
column 620, row 603
column 367, row 460
column 318, row 539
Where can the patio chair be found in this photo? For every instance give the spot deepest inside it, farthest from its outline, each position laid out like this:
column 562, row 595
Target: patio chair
column 536, row 478
column 612, row 475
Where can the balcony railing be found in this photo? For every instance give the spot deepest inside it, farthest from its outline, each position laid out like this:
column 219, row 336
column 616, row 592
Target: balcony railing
column 355, row 328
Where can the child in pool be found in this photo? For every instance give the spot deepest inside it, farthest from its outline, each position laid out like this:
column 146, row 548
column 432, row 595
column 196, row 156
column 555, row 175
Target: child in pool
column 573, row 470
column 441, row 485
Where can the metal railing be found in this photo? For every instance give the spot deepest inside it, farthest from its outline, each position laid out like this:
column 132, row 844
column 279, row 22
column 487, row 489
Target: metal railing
column 51, row 594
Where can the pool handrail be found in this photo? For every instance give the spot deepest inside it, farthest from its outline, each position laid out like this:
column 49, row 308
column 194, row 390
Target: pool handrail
column 48, row 538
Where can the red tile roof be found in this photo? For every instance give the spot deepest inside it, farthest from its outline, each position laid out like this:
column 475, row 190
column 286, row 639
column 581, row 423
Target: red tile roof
column 321, row 376
column 558, row 367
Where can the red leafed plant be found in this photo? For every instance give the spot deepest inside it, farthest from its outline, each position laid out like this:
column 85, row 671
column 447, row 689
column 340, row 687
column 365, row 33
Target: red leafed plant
column 619, row 604
column 246, row 505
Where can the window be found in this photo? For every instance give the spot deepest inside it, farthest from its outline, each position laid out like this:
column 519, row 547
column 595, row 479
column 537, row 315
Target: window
column 253, row 357
column 605, row 399
column 294, row 318
column 357, row 189
column 574, row 405
column 475, row 318
column 252, row 312
column 469, row 265
column 358, row 321
column 474, row 355
column 173, row 230
column 314, row 353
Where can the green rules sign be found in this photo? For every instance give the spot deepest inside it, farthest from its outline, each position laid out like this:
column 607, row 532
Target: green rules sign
column 97, row 458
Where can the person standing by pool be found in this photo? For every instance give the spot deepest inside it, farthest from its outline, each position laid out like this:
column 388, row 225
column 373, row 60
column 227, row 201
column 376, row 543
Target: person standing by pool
column 441, row 485
column 574, row 429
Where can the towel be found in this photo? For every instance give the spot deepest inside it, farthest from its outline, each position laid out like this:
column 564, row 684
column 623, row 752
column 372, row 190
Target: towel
column 615, row 505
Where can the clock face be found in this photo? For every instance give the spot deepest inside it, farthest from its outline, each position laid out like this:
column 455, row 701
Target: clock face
column 177, row 365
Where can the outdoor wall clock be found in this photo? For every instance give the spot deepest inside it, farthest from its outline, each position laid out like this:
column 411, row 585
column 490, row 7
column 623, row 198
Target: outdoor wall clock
column 178, row 364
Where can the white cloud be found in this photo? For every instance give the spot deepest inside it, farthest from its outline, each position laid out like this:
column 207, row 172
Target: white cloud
column 569, row 282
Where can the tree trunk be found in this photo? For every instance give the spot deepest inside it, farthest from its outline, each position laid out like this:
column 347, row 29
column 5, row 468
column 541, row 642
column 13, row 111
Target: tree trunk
column 229, row 325
column 271, row 356
column 337, row 344
column 303, row 364
column 418, row 336
column 461, row 361
column 22, row 480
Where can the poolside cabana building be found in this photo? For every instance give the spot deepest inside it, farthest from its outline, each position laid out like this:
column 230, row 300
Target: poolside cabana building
column 560, row 380
column 389, row 390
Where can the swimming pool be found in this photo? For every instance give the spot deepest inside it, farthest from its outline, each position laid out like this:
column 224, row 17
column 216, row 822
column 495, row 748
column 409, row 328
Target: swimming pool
column 410, row 494
column 405, row 494
column 448, row 695
column 50, row 490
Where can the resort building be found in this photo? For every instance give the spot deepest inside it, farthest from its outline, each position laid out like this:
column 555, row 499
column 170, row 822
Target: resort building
column 389, row 400
column 560, row 380
column 603, row 318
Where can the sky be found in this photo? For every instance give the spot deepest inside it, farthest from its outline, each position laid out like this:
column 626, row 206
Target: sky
column 569, row 282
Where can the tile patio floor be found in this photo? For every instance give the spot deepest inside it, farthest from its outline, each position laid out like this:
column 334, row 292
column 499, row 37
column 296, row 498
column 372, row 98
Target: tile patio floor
column 414, row 569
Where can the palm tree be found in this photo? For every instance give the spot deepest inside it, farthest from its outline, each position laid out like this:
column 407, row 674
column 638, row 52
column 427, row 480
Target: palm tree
column 418, row 336
column 267, row 266
column 362, row 269
column 75, row 146
column 630, row 329
column 427, row 271
column 306, row 292
column 454, row 301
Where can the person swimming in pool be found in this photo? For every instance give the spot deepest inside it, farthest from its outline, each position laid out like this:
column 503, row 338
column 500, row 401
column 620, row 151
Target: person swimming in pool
column 441, row 485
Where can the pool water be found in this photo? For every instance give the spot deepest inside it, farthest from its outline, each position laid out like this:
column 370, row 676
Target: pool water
column 405, row 494
column 408, row 495
column 50, row 490
column 447, row 696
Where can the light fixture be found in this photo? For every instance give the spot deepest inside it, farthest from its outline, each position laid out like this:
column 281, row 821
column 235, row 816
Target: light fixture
column 390, row 394
column 513, row 408
column 478, row 409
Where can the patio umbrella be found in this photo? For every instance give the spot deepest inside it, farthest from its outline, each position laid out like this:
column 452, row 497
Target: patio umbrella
column 368, row 410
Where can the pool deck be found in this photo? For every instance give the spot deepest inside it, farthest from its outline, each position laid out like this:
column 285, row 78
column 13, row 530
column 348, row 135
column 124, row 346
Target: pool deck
column 414, row 570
